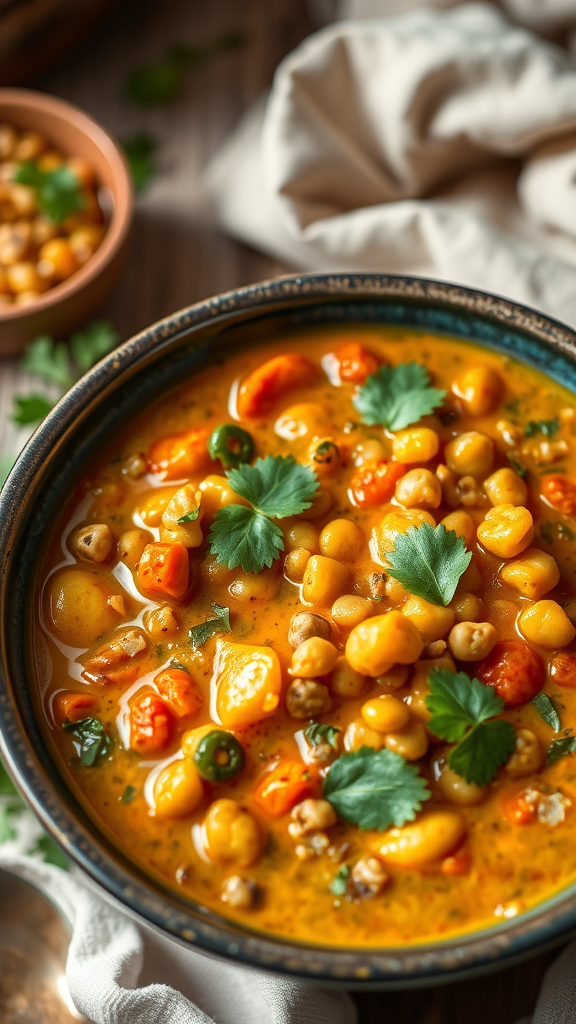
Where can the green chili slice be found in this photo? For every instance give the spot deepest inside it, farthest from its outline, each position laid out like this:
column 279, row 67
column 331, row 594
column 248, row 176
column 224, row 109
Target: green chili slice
column 231, row 445
column 219, row 756
column 326, row 452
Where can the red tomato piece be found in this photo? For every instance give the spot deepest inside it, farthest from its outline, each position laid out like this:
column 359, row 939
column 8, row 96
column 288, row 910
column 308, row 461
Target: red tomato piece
column 458, row 864
column 516, row 672
column 164, row 569
column 518, row 809
column 258, row 392
column 177, row 688
column 563, row 669
column 150, row 724
column 179, row 455
column 374, row 483
column 282, row 788
column 72, row 706
column 355, row 362
column 560, row 492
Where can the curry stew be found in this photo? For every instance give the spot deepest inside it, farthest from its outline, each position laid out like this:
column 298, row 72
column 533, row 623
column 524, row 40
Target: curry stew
column 310, row 626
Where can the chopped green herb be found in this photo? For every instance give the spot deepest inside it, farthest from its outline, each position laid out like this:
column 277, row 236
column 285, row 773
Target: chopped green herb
column 316, row 734
column 140, row 151
column 163, row 81
column 31, row 409
column 58, row 192
column 429, row 561
column 547, row 711
column 339, row 883
column 560, row 748
column 51, row 852
column 552, row 470
column 48, row 359
column 90, row 344
column 128, row 795
column 517, row 466
column 7, row 787
column 219, row 624
column 549, row 532
column 7, row 813
column 397, row 396
column 513, row 407
column 460, row 708
column 92, row 737
column 189, row 517
column 546, row 427
column 375, row 788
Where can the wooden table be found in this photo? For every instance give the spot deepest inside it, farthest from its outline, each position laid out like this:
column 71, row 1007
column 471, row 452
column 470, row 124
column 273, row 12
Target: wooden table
column 178, row 257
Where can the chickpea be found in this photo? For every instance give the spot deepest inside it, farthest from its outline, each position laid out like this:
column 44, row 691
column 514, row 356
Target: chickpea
column 178, row 790
column 533, row 574
column 134, row 466
column 342, row 539
column 251, row 586
column 448, row 481
column 350, row 609
column 43, row 229
column 431, row 620
column 304, row 420
column 216, row 494
column 311, row 816
column 321, row 505
column 307, row 698
column 382, row 641
column 462, row 524
column 528, row 756
column 56, row 260
column 369, row 877
column 470, row 454
column 325, row 579
column 416, row 444
column 79, row 606
column 432, row 837
column 84, row 241
column 455, row 788
column 161, row 623
column 29, row 147
column 358, row 734
column 192, row 737
column 302, row 535
column 505, row 487
column 419, row 689
column 468, row 608
column 23, row 277
column 471, row 578
column 295, row 564
column 471, row 641
column 232, row 834
column 419, row 488
column 239, row 892
column 26, row 298
column 152, row 508
column 14, row 242
column 394, row 679
column 479, row 389
column 186, row 499
column 385, row 713
column 395, row 592
column 469, row 492
column 372, row 449
column 131, row 545
column 507, row 530
column 304, row 625
column 93, row 543
column 411, row 743
column 345, row 682
column 394, row 523
column 545, row 623
column 312, row 658
column 8, row 140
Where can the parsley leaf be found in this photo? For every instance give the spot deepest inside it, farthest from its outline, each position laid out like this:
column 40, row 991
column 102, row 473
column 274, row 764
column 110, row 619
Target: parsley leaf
column 128, row 795
column 93, row 342
column 48, row 359
column 546, row 427
column 459, row 708
column 58, row 192
column 277, row 486
column 139, row 151
column 560, row 748
column 375, row 788
column 7, row 787
column 517, row 466
column 50, row 851
column 316, row 734
column 339, row 883
column 397, row 396
column 30, row 409
column 241, row 536
column 93, row 739
column 429, row 561
column 547, row 711
column 219, row 624
column 190, row 516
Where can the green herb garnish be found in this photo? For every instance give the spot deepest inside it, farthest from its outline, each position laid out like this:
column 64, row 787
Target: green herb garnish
column 397, row 396
column 461, row 708
column 547, row 711
column 339, row 883
column 549, row 532
column 90, row 344
column 163, row 81
column 517, row 466
column 49, row 360
column 429, row 561
column 546, row 427
column 552, row 470
column 199, row 634
column 140, row 150
column 58, row 192
column 50, row 852
column 560, row 748
column 189, row 517
column 92, row 737
column 316, row 733
column 276, row 487
column 30, row 409
column 6, row 463
column 128, row 795
column 375, row 788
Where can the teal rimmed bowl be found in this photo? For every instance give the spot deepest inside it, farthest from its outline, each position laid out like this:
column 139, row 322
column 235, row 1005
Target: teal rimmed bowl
column 88, row 416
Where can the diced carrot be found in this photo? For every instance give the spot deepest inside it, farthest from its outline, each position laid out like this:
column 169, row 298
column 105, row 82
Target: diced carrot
column 164, row 569
column 72, row 706
column 150, row 724
column 560, row 491
column 562, row 669
column 518, row 810
column 355, row 362
column 282, row 788
column 374, row 483
column 179, row 455
column 178, row 690
column 119, row 661
column 260, row 389
column 458, row 863
column 516, row 672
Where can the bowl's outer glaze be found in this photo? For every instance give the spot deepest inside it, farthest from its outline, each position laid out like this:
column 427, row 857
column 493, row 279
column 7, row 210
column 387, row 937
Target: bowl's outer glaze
column 89, row 415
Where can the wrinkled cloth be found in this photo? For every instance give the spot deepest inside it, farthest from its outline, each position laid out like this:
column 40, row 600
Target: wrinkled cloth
column 121, row 972
column 549, row 16
column 440, row 143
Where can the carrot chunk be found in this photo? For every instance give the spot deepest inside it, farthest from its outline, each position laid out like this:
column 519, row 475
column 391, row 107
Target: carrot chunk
column 355, row 362
column 515, row 671
column 263, row 386
column 150, row 724
column 72, row 706
column 518, row 809
column 179, row 455
column 560, row 491
column 374, row 483
column 179, row 692
column 164, row 569
column 283, row 787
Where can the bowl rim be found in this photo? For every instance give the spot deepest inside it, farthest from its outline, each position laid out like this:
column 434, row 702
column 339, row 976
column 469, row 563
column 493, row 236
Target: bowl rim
column 435, row 961
column 119, row 226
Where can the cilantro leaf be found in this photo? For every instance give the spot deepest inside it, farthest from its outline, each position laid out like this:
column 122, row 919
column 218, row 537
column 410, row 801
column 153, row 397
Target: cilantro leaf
column 190, row 516
column 50, row 851
column 7, row 787
column 547, row 711
column 48, row 360
column 163, row 81
column 375, row 788
column 277, row 486
column 241, row 536
column 339, row 883
column 128, row 795
column 7, row 812
column 484, row 749
column 93, row 342
column 316, row 734
column 58, row 192
column 139, row 151
column 199, row 634
column 560, row 748
column 546, row 427
column 517, row 466
column 429, row 561
column 92, row 737
column 30, row 409
column 397, row 396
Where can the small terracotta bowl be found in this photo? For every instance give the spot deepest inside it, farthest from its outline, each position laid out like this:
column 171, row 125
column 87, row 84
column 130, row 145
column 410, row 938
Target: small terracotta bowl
column 64, row 307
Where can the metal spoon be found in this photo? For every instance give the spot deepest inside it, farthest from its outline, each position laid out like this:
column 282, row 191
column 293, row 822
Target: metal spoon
column 34, row 942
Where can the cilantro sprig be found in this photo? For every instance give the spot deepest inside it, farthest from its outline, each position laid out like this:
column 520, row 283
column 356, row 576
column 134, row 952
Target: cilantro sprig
column 93, row 740
column 429, row 561
column 140, row 152
column 220, row 623
column 547, row 427
column 317, row 733
column 276, row 487
column 58, row 192
column 463, row 712
column 397, row 396
column 375, row 788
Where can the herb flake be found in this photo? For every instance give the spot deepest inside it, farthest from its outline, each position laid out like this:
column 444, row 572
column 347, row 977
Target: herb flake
column 339, row 883
column 94, row 742
column 547, row 427
column 317, row 733
column 547, row 711
column 199, row 634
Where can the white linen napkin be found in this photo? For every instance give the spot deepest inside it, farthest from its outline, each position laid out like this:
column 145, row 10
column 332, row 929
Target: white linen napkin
column 439, row 142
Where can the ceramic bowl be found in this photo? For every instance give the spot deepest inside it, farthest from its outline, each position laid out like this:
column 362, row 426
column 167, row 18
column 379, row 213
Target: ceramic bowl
column 64, row 307
column 99, row 405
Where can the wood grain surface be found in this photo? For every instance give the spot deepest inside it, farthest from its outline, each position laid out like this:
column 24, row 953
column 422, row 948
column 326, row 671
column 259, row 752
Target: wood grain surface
column 178, row 257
